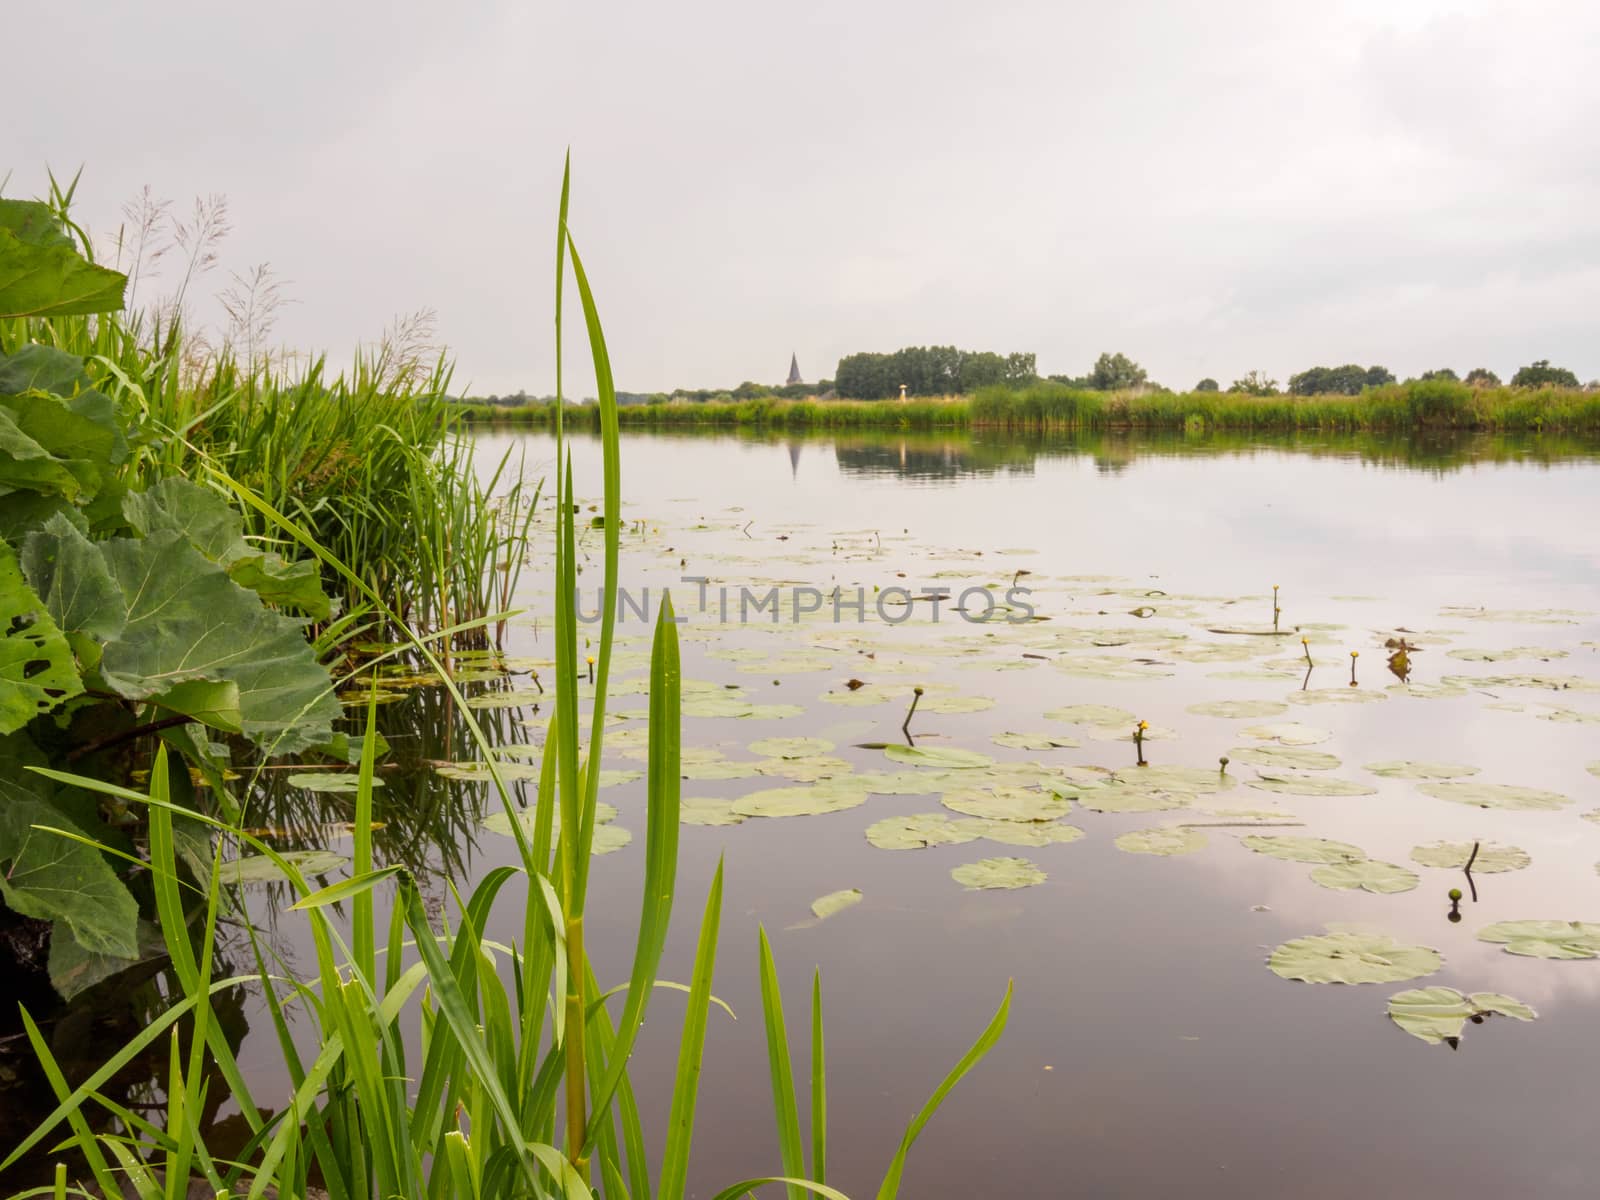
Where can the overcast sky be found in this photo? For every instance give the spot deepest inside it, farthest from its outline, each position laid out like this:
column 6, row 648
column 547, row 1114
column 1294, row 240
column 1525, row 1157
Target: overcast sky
column 1210, row 188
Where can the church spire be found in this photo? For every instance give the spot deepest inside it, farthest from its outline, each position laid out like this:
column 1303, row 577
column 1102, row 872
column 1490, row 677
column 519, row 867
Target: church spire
column 794, row 370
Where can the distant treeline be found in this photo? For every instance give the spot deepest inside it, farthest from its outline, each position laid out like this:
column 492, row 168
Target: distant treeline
column 1046, row 405
column 929, row 371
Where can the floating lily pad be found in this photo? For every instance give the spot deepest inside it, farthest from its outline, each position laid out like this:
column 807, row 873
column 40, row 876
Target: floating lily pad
column 1303, row 849
column 1368, row 874
column 1496, row 795
column 478, row 772
column 902, row 783
column 1352, row 958
column 1427, row 691
column 1491, row 859
column 1439, row 1014
column 1288, row 784
column 1410, row 769
column 998, row 873
column 1296, row 757
column 945, row 757
column 1167, row 840
column 1008, row 804
column 805, row 801
column 1593, row 768
column 1033, row 741
column 1542, row 653
column 328, row 781
column 612, row 778
column 1336, row 695
column 824, row 907
column 1021, row 833
column 1112, row 733
column 1552, row 683
column 608, row 839
column 498, row 822
column 918, row 832
column 933, row 703
column 790, row 747
column 706, row 810
column 1545, row 939
column 1193, row 781
column 726, row 768
column 1091, row 714
column 1239, row 709
column 1288, row 733
column 1123, row 798
column 805, row 770
column 259, row 868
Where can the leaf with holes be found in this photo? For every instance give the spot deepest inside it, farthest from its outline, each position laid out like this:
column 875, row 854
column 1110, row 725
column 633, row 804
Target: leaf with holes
column 37, row 671
column 1352, row 958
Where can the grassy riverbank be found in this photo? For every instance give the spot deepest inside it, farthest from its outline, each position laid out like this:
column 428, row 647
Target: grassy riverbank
column 1423, row 405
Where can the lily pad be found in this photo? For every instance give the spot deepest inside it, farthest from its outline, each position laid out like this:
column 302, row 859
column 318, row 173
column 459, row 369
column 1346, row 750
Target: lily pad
column 1113, row 733
column 1439, row 1014
column 1545, row 939
column 1542, row 653
column 1239, row 709
column 1091, row 714
column 1352, row 958
column 1021, row 833
column 1296, row 757
column 1410, row 769
column 1336, row 695
column 933, row 703
column 945, row 757
column 809, row 800
column 1167, row 840
column 259, row 868
column 1123, row 798
column 918, row 832
column 498, row 822
column 1196, row 781
column 991, row 873
column 1008, row 804
column 1034, row 741
column 1497, row 795
column 1368, row 874
column 327, row 781
column 790, row 747
column 707, row 810
column 1491, row 859
column 1294, row 848
column 824, row 907
column 1288, row 784
column 1288, row 733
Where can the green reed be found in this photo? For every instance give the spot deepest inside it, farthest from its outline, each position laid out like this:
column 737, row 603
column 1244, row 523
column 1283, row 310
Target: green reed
column 518, row 1082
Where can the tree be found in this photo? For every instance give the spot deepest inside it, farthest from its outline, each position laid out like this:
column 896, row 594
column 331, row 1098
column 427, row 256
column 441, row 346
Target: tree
column 1378, row 376
column 1021, row 369
column 1348, row 380
column 1443, row 373
column 1541, row 374
column 1207, row 385
column 1482, row 377
column 1255, row 383
column 1116, row 372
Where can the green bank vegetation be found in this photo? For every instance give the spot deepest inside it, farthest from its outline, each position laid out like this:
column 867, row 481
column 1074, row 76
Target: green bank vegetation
column 1047, row 406
column 445, row 1065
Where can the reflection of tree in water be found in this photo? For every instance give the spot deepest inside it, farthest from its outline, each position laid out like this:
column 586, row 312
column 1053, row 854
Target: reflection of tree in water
column 953, row 455
column 931, row 456
column 82, row 1035
column 430, row 825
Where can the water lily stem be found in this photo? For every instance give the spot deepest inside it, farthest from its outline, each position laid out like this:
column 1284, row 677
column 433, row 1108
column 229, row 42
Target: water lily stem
column 905, row 726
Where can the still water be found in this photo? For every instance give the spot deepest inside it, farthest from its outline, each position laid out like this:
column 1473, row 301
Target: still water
column 1150, row 1049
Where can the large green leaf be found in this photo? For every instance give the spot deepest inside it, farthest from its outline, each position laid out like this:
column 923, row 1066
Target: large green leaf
column 172, row 617
column 42, row 274
column 36, row 667
column 215, row 528
column 54, row 878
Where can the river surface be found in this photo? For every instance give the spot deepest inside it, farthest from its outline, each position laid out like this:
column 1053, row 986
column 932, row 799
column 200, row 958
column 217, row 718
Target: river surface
column 1151, row 1050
